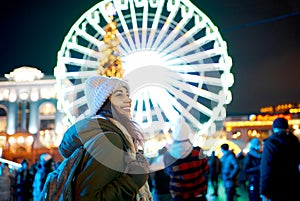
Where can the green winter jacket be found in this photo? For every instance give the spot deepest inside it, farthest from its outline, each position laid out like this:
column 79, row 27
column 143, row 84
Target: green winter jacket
column 101, row 173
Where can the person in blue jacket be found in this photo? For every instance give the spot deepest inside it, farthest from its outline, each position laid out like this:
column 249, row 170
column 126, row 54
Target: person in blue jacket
column 229, row 170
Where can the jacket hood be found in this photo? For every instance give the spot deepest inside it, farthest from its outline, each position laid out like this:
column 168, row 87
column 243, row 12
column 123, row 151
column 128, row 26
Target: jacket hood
column 180, row 149
column 76, row 135
column 80, row 132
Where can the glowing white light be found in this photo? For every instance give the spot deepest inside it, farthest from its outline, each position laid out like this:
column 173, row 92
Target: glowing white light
column 11, row 140
column 33, row 129
column 23, row 95
column 46, row 93
column 140, row 59
column 12, row 96
column 29, row 140
column 34, row 95
column 5, row 94
column 20, row 140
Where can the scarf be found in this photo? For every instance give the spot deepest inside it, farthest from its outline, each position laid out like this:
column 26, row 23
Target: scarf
column 144, row 193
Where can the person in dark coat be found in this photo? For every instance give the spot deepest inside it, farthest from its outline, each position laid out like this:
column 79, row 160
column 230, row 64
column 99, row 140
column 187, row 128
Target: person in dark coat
column 252, row 169
column 280, row 176
column 214, row 171
column 229, row 169
column 23, row 183
column 161, row 181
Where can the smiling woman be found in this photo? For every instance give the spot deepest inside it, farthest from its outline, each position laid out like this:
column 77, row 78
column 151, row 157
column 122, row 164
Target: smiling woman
column 120, row 99
column 112, row 167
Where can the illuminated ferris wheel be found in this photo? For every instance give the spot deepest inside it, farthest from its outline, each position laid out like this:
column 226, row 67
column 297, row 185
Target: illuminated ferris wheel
column 173, row 56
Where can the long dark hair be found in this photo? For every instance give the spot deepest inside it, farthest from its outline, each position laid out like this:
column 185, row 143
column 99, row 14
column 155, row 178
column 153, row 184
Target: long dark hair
column 109, row 110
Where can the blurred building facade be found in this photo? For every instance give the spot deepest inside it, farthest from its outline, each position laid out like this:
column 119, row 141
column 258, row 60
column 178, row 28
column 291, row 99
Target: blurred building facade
column 30, row 123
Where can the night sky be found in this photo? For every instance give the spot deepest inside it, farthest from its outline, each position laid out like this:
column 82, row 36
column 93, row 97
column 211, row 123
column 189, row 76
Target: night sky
column 263, row 39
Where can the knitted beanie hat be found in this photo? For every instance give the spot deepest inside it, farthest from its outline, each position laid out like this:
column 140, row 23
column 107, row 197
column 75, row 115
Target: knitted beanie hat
column 181, row 131
column 280, row 123
column 99, row 88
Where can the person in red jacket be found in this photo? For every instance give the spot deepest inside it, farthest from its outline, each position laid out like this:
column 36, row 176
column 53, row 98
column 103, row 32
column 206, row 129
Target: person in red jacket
column 186, row 164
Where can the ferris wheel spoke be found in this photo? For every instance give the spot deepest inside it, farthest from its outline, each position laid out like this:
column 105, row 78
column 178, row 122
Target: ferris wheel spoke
column 187, row 99
column 95, row 25
column 77, row 103
column 83, row 50
column 184, row 50
column 88, row 37
column 199, row 67
column 175, row 47
column 169, row 40
column 165, row 104
column 139, row 109
column 183, row 111
column 77, row 74
column 204, row 79
column 156, row 111
column 68, row 112
column 164, row 30
column 124, row 48
column 207, row 54
column 80, row 62
column 124, row 24
column 144, row 3
column 159, row 5
column 205, row 94
column 147, row 107
column 195, row 90
column 73, row 89
column 134, row 26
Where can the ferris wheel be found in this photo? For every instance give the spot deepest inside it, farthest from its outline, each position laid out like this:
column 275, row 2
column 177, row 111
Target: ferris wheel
column 173, row 56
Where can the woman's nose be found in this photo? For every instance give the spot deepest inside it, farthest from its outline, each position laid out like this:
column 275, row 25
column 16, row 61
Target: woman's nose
column 128, row 100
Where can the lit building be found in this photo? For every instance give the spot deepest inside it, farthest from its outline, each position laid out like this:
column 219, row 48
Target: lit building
column 30, row 123
column 242, row 129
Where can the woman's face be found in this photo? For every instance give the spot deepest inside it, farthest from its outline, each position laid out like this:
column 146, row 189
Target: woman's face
column 120, row 99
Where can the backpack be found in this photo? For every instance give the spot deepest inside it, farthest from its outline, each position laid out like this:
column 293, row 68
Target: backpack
column 58, row 185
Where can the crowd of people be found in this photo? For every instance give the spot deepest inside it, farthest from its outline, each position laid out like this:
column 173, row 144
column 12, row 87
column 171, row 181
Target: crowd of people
column 113, row 166
column 26, row 182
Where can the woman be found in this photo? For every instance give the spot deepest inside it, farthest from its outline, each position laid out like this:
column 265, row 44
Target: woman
column 112, row 167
